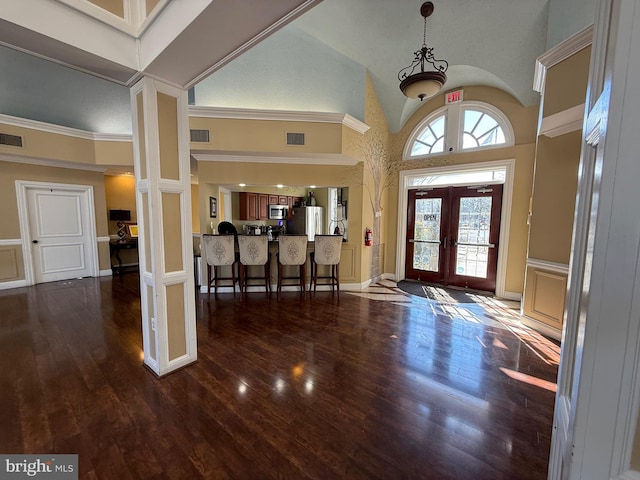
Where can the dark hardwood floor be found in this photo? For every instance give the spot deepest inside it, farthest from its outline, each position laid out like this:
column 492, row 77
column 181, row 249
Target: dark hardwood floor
column 374, row 385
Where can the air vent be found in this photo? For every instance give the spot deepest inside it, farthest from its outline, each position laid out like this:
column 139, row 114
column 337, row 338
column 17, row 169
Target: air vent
column 200, row 136
column 295, row 138
column 11, row 140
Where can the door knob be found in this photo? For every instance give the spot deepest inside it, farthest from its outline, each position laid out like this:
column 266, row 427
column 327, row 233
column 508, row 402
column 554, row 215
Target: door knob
column 35, row 241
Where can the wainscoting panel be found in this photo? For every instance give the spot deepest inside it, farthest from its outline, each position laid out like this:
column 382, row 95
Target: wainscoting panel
column 545, row 293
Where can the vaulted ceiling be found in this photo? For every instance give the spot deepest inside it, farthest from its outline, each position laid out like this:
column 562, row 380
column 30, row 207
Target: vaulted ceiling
column 264, row 47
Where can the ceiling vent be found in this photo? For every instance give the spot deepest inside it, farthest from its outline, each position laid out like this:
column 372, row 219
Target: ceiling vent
column 200, row 136
column 295, row 138
column 11, row 140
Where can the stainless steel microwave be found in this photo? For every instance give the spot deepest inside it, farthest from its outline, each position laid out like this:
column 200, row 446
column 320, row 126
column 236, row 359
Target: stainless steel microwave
column 278, row 212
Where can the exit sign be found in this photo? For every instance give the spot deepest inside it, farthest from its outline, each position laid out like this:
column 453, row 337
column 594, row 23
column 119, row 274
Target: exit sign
column 454, row 97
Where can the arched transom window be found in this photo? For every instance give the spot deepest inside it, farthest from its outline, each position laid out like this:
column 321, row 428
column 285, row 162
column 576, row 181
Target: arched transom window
column 460, row 127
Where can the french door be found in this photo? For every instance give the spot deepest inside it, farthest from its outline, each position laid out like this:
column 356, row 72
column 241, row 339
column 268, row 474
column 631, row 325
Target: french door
column 452, row 236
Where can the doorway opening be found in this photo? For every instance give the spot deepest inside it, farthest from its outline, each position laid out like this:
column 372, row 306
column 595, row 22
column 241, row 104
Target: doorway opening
column 475, row 203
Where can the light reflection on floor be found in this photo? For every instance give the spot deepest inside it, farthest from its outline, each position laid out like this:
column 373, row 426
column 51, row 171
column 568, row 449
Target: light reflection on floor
column 485, row 310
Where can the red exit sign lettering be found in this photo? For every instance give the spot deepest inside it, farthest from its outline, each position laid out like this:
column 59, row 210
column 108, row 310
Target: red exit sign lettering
column 454, row 97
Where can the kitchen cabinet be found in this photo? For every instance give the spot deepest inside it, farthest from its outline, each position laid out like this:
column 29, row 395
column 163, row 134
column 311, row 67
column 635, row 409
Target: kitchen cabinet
column 263, row 206
column 283, row 200
column 290, row 202
column 273, row 199
column 248, row 206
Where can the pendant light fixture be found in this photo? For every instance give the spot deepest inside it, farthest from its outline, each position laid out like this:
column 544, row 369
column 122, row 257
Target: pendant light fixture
column 415, row 82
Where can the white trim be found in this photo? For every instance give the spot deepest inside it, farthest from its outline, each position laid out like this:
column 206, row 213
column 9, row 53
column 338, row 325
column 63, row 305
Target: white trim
column 102, row 239
column 562, row 268
column 515, row 296
column 278, row 115
column 389, row 276
column 10, row 242
column 541, row 327
column 60, row 130
column 560, row 52
column 300, row 159
column 102, row 15
column 454, row 129
column 289, row 17
column 47, row 162
column 106, row 273
column 507, row 193
column 629, row 475
column 22, row 186
column 13, row 284
column 569, row 120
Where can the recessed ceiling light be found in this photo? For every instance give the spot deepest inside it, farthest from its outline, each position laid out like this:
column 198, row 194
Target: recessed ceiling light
column 279, row 185
column 312, row 186
column 242, row 184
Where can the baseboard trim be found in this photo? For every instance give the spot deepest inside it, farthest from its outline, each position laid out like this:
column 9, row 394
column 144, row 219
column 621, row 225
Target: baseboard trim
column 629, row 475
column 389, row 276
column 542, row 328
column 13, row 284
column 515, row 296
column 105, row 273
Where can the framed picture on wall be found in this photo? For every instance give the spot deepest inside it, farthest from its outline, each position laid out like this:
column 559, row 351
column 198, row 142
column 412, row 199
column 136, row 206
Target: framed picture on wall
column 213, row 207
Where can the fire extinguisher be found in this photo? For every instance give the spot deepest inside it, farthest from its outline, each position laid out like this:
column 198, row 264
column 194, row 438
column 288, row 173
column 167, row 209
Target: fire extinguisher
column 368, row 236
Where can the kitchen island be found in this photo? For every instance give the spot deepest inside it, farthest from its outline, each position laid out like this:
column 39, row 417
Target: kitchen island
column 347, row 270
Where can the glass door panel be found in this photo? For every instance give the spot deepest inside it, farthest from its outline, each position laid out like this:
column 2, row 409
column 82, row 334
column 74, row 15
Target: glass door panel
column 475, row 226
column 474, row 221
column 425, row 260
column 470, row 218
column 426, row 234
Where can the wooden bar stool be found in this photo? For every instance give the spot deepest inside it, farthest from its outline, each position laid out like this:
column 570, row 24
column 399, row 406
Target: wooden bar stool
column 219, row 251
column 254, row 251
column 327, row 249
column 292, row 251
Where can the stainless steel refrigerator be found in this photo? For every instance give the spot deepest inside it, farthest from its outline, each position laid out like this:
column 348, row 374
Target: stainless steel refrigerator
column 307, row 220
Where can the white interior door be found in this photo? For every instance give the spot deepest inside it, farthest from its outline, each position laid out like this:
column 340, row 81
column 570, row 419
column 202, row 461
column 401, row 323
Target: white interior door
column 61, row 246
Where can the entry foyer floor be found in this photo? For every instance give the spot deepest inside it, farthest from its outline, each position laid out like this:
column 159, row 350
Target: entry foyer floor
column 373, row 384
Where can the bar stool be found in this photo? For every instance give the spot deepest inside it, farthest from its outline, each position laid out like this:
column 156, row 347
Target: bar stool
column 327, row 249
column 292, row 250
column 219, row 251
column 254, row 251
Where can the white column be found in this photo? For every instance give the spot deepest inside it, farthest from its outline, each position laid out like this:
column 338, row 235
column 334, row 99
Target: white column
column 163, row 198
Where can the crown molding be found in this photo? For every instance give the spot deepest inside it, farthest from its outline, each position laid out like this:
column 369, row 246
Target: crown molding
column 560, row 52
column 50, row 162
column 569, row 120
column 60, row 130
column 279, row 115
column 315, row 159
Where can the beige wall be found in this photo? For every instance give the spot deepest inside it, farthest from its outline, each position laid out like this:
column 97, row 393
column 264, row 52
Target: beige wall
column 9, row 222
column 120, row 195
column 554, row 196
column 114, row 153
column 523, row 120
column 239, row 136
column 566, row 83
column 113, row 6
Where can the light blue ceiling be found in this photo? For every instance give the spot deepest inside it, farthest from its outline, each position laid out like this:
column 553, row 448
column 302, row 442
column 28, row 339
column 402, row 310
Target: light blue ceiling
column 290, row 70
column 318, row 62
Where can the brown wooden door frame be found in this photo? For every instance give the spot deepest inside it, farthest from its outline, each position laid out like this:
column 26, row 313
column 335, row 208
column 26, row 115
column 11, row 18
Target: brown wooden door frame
column 450, row 212
column 476, row 283
column 423, row 275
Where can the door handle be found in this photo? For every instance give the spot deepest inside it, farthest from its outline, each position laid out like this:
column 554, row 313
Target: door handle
column 444, row 243
column 34, row 241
